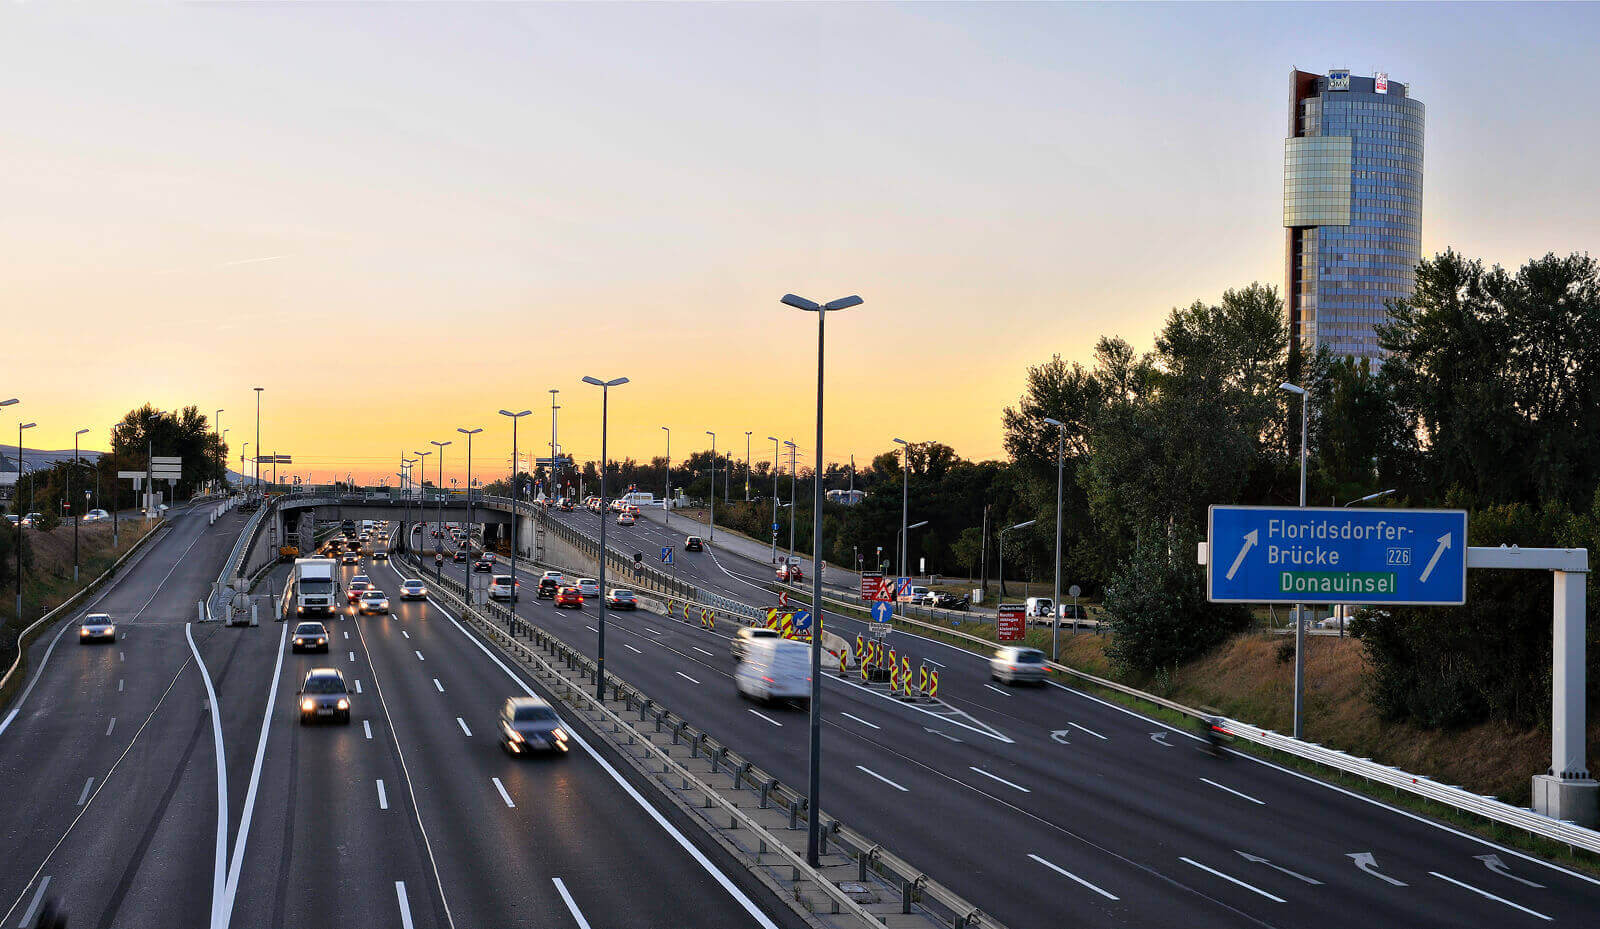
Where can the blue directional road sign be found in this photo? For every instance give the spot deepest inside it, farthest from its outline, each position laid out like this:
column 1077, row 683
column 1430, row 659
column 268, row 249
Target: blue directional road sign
column 1271, row 554
column 666, row 554
column 882, row 611
column 774, row 527
column 802, row 621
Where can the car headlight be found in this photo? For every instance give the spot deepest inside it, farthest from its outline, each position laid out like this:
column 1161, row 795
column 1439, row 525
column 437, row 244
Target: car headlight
column 515, row 735
column 344, row 704
column 560, row 735
column 83, row 632
column 299, row 641
column 321, row 640
column 308, row 704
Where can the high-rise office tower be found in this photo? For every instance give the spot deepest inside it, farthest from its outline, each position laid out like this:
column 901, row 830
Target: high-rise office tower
column 1352, row 207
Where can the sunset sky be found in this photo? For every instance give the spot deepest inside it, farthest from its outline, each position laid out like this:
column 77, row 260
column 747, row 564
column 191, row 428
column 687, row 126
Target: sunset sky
column 400, row 218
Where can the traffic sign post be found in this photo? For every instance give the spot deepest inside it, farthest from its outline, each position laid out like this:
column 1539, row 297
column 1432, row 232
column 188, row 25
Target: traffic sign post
column 1267, row 554
column 666, row 554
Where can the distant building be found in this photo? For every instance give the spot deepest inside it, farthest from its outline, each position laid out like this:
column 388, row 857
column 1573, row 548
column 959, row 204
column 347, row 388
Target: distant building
column 846, row 497
column 1352, row 207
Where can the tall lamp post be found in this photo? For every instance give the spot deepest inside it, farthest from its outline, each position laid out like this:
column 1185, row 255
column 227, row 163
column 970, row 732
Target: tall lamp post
column 422, row 506
column 794, row 480
column 258, row 439
column 903, row 537
column 1003, row 550
column 1055, row 598
column 20, row 534
column 77, row 517
column 666, row 504
column 550, row 476
column 221, row 464
column 712, row 536
column 466, row 575
column 905, row 498
column 747, row 466
column 516, row 518
column 1299, row 609
column 775, row 453
column 600, row 624
column 1344, row 608
column 438, row 565
column 814, row 787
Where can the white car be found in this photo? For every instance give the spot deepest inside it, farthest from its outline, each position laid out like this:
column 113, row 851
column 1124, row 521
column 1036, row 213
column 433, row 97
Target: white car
column 94, row 516
column 500, row 588
column 97, row 627
column 556, row 576
column 589, row 587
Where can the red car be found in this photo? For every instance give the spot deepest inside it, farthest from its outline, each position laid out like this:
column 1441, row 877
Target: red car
column 356, row 589
column 569, row 596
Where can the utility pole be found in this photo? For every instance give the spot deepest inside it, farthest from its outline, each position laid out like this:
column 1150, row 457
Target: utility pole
column 984, row 559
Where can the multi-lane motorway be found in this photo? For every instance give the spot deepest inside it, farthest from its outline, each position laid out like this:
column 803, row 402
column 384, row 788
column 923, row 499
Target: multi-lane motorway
column 165, row 780
column 1050, row 806
column 409, row 816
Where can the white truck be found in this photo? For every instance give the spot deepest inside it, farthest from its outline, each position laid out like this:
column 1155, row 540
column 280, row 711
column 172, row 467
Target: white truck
column 312, row 587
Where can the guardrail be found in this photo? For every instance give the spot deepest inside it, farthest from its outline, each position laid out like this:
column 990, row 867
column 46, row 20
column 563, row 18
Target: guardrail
column 232, row 567
column 873, row 861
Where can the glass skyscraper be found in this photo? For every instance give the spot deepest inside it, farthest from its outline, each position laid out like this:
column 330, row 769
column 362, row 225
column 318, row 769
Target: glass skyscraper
column 1352, row 207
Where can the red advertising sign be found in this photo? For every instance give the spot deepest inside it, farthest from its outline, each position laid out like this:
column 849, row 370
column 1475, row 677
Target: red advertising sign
column 874, row 587
column 1010, row 621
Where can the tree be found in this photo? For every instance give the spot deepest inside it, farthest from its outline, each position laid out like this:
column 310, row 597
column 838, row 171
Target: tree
column 147, row 431
column 1160, row 616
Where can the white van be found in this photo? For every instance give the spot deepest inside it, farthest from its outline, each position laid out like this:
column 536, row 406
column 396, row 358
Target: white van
column 775, row 669
column 1040, row 609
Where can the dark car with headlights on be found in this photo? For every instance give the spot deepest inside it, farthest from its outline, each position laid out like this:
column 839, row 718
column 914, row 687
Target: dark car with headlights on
column 324, row 696
column 528, row 724
column 310, row 637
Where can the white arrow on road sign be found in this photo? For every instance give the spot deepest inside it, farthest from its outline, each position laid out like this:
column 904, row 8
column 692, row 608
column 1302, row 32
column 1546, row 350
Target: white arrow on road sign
column 1259, row 860
column 1444, row 543
column 1493, row 863
column 1367, row 863
column 1250, row 539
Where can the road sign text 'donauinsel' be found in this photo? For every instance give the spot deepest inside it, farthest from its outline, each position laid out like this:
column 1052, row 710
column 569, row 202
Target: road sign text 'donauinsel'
column 1268, row 554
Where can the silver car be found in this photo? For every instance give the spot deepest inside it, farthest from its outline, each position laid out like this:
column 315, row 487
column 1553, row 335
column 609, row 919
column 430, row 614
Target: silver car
column 589, row 587
column 528, row 724
column 373, row 601
column 741, row 640
column 1017, row 665
column 324, row 696
column 97, row 627
column 413, row 590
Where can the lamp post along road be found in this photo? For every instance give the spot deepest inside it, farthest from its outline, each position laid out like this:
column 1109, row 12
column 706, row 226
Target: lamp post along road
column 814, row 785
column 422, row 506
column 1299, row 608
column 1055, row 595
column 747, row 466
column 600, row 624
column 466, row 581
column 76, row 517
column 516, row 518
column 438, row 562
column 794, row 480
column 666, row 503
column 712, row 535
column 221, row 465
column 905, row 503
column 17, row 495
column 1003, row 551
column 775, row 454
column 258, row 391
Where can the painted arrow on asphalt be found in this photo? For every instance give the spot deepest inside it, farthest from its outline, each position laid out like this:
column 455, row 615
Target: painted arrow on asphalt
column 1444, row 543
column 1250, row 539
column 1160, row 738
column 1259, row 860
column 1493, row 863
column 1367, row 863
column 1060, row 736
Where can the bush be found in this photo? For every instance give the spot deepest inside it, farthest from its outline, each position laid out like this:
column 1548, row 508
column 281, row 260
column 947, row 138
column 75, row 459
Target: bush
column 1160, row 615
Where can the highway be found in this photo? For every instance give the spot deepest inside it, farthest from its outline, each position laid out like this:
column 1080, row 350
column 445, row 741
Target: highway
column 409, row 816
column 1051, row 806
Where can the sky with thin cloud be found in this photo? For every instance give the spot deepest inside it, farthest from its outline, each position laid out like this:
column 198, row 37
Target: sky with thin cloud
column 401, row 218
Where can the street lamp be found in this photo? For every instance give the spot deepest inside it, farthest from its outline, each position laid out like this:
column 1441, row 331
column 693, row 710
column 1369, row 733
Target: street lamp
column 516, row 519
column 774, row 498
column 217, row 426
column 1299, row 609
column 600, row 624
column 1344, row 608
column 666, row 505
column 1003, row 551
column 1055, row 596
column 438, row 562
column 794, row 479
column 902, row 538
column 76, row 517
column 712, row 536
column 550, row 476
column 905, row 497
column 747, row 466
column 466, row 574
column 814, row 807
column 20, row 534
column 422, row 505
column 258, row 438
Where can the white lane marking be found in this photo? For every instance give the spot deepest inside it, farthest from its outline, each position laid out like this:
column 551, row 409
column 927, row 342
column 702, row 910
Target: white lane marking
column 219, row 880
column 122, row 656
column 571, row 906
column 352, row 656
column 997, row 690
column 702, row 651
column 592, row 629
column 1083, row 729
column 880, row 777
column 686, row 677
column 942, row 735
column 366, row 726
column 38, row 898
column 112, row 725
column 85, row 795
column 632, row 649
column 653, row 631
column 1068, row 874
column 1234, row 792
column 358, row 685
column 1444, row 877
column 768, row 719
column 502, row 788
column 463, row 724
column 1233, row 880
column 119, row 685
column 438, row 685
column 347, row 633
column 1000, row 779
column 722, row 879
column 405, row 633
column 419, row 656
column 383, row 797
column 862, row 721
column 405, row 905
